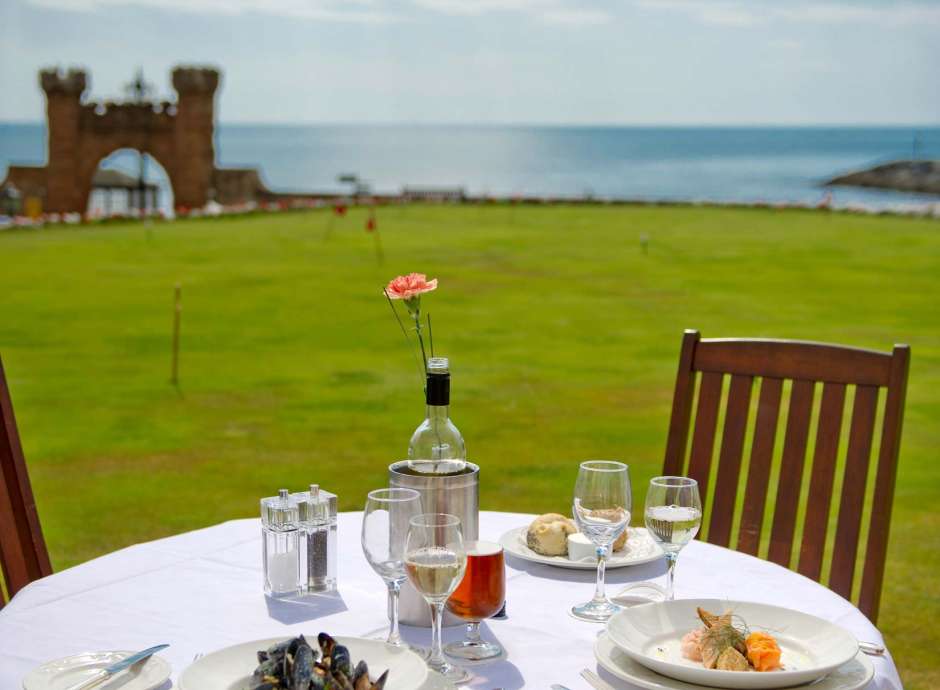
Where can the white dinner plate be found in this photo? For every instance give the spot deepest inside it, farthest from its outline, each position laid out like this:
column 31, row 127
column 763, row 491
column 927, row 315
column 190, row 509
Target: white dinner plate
column 640, row 549
column 64, row 673
column 854, row 675
column 810, row 647
column 231, row 668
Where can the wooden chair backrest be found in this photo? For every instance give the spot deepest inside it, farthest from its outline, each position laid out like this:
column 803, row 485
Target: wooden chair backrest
column 804, row 365
column 23, row 555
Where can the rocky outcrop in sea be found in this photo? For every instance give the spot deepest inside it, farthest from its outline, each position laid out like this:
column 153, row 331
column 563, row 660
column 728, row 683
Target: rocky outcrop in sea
column 904, row 176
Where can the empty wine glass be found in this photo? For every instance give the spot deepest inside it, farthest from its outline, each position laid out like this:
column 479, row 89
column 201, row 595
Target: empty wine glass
column 673, row 517
column 602, row 502
column 435, row 561
column 385, row 524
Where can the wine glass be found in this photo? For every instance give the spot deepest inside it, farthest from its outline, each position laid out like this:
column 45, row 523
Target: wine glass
column 673, row 517
column 385, row 523
column 602, row 502
column 435, row 561
column 480, row 595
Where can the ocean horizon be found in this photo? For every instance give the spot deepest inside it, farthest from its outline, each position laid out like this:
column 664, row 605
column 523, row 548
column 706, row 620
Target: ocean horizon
column 724, row 164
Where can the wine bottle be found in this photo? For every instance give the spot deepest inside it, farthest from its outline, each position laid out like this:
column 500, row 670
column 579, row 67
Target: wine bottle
column 436, row 446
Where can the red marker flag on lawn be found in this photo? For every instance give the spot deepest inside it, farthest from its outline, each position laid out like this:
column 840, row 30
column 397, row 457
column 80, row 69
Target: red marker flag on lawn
column 371, row 224
column 339, row 209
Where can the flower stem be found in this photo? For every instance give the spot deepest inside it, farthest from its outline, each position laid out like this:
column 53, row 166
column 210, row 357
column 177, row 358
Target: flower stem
column 424, row 357
column 430, row 335
column 421, row 372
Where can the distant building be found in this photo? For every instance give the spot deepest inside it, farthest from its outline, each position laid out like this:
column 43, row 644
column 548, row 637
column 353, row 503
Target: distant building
column 178, row 135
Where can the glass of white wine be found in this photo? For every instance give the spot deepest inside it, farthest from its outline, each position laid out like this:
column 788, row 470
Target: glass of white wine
column 602, row 502
column 673, row 518
column 435, row 561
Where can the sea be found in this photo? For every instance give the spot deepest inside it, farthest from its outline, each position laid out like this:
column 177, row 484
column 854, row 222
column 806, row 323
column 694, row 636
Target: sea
column 715, row 164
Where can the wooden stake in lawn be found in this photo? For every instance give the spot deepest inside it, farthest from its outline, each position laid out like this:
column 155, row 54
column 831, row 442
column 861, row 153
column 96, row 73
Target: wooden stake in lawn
column 177, row 310
column 372, row 225
column 339, row 210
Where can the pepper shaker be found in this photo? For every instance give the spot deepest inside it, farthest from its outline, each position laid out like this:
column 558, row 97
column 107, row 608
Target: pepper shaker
column 318, row 540
column 280, row 538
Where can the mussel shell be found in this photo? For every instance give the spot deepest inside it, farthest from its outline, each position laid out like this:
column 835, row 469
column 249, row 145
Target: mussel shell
column 341, row 660
column 380, row 683
column 294, row 643
column 360, row 676
column 268, row 667
column 341, row 681
column 279, row 648
column 326, row 643
column 302, row 667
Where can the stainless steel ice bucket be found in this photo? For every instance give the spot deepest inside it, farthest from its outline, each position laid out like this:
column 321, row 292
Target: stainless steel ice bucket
column 456, row 494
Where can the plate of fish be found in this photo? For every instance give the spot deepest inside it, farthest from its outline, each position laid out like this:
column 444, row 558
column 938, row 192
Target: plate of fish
column 729, row 644
column 854, row 675
column 320, row 663
column 553, row 539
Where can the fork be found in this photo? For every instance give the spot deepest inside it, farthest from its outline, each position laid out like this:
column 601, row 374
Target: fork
column 595, row 680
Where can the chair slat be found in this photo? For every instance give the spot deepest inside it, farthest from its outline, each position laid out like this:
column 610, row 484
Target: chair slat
column 729, row 461
column 816, row 522
column 758, row 476
column 873, row 572
column 23, row 555
column 703, row 439
column 853, row 490
column 791, row 472
column 15, row 572
column 682, row 398
column 794, row 359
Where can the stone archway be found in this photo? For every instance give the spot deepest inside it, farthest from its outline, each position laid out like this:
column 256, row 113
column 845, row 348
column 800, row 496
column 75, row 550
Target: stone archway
column 80, row 134
column 116, row 188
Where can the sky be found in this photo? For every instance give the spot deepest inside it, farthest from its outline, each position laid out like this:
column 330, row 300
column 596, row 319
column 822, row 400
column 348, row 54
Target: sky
column 577, row 62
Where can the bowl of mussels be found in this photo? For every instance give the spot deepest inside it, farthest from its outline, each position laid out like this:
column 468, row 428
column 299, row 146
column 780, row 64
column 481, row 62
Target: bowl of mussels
column 307, row 663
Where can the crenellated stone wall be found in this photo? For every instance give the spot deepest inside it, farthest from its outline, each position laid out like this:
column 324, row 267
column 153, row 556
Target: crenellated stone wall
column 178, row 134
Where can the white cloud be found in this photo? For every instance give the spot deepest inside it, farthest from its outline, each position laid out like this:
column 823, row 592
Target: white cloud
column 575, row 17
column 559, row 12
column 742, row 13
column 718, row 13
column 364, row 11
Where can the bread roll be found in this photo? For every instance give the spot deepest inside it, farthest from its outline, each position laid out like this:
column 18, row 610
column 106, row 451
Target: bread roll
column 548, row 534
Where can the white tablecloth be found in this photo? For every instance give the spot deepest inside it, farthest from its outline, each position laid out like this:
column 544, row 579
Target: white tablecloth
column 201, row 591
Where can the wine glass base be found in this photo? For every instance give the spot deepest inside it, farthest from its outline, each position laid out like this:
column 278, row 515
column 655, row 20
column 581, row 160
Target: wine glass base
column 451, row 673
column 595, row 612
column 640, row 593
column 473, row 651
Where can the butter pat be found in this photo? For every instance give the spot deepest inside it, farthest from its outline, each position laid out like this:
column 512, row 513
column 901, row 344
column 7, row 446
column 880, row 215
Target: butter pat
column 581, row 548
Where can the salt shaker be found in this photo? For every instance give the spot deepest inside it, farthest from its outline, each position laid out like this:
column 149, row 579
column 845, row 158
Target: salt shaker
column 317, row 513
column 280, row 537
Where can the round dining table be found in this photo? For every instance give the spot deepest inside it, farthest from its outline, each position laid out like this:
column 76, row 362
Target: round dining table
column 202, row 590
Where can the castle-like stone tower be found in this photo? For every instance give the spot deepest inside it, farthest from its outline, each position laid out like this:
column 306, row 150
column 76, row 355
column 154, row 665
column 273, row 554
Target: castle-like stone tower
column 80, row 134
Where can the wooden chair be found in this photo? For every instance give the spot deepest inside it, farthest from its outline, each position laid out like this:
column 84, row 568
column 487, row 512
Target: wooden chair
column 23, row 554
column 805, row 364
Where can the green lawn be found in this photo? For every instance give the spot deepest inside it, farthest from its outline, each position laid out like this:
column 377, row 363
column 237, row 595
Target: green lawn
column 563, row 336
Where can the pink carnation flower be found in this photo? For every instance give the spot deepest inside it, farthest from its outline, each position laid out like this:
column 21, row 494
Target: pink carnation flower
column 410, row 286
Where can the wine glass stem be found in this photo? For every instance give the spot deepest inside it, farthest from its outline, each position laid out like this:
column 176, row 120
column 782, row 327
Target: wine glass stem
column 599, row 594
column 473, row 632
column 436, row 659
column 671, row 559
column 394, row 638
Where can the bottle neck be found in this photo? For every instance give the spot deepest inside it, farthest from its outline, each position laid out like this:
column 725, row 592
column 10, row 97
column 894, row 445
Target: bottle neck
column 438, row 413
column 437, row 393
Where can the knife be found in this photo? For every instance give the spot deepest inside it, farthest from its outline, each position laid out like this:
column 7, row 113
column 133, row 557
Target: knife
column 117, row 667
